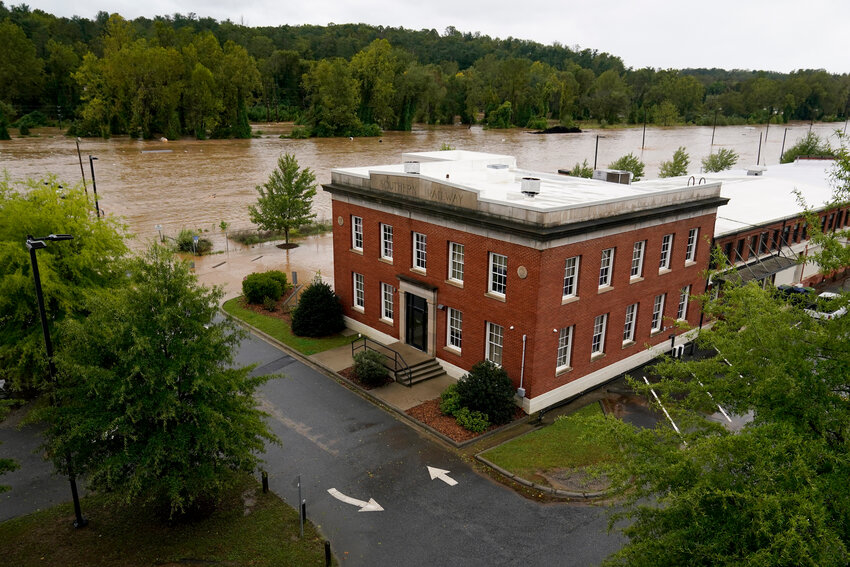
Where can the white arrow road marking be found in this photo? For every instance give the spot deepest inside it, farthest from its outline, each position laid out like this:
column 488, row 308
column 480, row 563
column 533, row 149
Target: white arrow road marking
column 370, row 506
column 442, row 475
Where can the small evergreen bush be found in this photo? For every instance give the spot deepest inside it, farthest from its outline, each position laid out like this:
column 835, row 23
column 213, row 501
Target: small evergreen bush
column 369, row 368
column 257, row 287
column 471, row 420
column 488, row 389
column 270, row 304
column 319, row 312
column 450, row 400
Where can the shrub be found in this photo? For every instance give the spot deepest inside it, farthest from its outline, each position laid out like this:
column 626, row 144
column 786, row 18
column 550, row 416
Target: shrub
column 270, row 303
column 369, row 368
column 319, row 312
column 257, row 287
column 811, row 145
column 582, row 170
column 537, row 123
column 471, row 420
column 488, row 389
column 298, row 133
column 450, row 400
column 676, row 166
column 500, row 117
column 629, row 162
column 720, row 161
column 186, row 242
column 280, row 278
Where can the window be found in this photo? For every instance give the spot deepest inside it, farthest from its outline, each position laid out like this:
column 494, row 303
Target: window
column 357, row 233
column 657, row 312
column 774, row 240
column 420, row 250
column 605, row 267
column 805, row 231
column 762, row 243
column 754, row 242
column 666, row 246
column 691, row 251
column 455, row 261
column 797, row 232
column 739, row 249
column 498, row 273
column 387, row 301
column 786, row 234
column 359, row 300
column 629, row 325
column 597, row 344
column 727, row 250
column 495, row 336
column 571, row 277
column 386, row 241
column 637, row 259
column 455, row 329
column 682, row 312
column 565, row 346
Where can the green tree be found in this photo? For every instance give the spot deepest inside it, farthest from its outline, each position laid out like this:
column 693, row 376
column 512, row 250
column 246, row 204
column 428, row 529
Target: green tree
column 21, row 71
column 677, row 166
column 375, row 69
column 68, row 269
column 6, row 465
column 333, row 99
column 148, row 401
column 286, row 198
column 629, row 162
column 610, row 97
column 721, row 160
column 319, row 312
column 811, row 145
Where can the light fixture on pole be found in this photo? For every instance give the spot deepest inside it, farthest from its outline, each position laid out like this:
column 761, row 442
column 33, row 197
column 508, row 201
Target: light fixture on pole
column 94, row 185
column 159, row 229
column 34, row 244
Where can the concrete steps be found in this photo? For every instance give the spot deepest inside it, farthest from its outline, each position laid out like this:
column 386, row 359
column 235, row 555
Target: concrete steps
column 421, row 371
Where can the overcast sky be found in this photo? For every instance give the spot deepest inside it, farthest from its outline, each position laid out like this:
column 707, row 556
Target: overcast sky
column 777, row 35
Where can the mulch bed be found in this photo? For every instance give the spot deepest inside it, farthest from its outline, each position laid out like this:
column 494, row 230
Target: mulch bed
column 348, row 373
column 278, row 313
column 429, row 413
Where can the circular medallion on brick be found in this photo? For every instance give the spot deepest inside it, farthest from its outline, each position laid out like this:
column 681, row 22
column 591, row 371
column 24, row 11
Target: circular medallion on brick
column 522, row 272
column 339, row 221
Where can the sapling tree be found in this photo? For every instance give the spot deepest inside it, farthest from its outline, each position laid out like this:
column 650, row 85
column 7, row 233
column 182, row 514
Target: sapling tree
column 285, row 200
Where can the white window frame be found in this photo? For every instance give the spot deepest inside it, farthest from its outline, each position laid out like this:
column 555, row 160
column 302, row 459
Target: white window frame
column 495, row 343
column 565, row 348
column 629, row 325
column 386, row 241
column 387, row 307
column 637, row 258
column 456, row 253
column 691, row 250
column 420, row 251
column 666, row 252
column 658, row 313
column 356, row 233
column 684, row 297
column 597, row 341
column 571, row 267
column 606, row 267
column 498, row 280
column 359, row 285
column 454, row 329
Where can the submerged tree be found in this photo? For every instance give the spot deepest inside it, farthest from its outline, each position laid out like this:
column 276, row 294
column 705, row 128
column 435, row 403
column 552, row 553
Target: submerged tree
column 677, row 166
column 629, row 162
column 285, row 199
column 721, row 160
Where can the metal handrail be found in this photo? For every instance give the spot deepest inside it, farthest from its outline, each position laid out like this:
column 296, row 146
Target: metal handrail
column 294, row 293
column 399, row 365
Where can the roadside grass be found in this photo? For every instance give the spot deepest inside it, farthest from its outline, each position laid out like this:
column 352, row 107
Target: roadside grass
column 247, row 528
column 280, row 329
column 553, row 447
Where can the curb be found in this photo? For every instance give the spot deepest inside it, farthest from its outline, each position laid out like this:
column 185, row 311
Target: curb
column 547, row 489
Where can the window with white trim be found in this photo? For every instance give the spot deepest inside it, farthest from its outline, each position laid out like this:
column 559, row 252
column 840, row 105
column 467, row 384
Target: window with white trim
column 454, row 336
column 356, row 233
column 666, row 248
column 691, row 251
column 606, row 267
column 455, row 261
column 565, row 347
column 420, row 250
column 498, row 273
column 684, row 295
column 359, row 295
column 658, row 312
column 637, row 259
column 629, row 325
column 386, row 241
column 597, row 343
column 387, row 301
column 571, row 277
column 495, row 338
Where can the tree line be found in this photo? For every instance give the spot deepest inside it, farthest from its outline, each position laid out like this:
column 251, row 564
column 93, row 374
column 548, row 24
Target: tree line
column 182, row 74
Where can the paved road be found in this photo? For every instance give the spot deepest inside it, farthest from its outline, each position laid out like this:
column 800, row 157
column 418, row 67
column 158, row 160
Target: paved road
column 335, row 439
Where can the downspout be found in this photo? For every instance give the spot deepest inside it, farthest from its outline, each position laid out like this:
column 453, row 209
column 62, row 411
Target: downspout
column 521, row 391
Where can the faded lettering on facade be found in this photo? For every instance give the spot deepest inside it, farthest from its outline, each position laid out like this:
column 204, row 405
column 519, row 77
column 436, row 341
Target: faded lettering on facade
column 425, row 190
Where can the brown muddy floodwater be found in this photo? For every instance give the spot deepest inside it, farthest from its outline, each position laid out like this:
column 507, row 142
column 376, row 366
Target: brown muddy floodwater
column 197, row 184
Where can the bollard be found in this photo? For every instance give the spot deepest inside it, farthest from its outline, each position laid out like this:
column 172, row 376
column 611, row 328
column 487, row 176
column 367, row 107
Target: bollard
column 265, row 476
column 304, row 510
column 327, row 553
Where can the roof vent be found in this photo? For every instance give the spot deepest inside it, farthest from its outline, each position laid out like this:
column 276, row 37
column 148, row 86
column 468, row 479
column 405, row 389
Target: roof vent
column 530, row 186
column 411, row 167
column 613, row 176
column 756, row 170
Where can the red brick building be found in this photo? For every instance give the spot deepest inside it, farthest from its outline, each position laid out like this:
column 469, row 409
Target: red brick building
column 562, row 281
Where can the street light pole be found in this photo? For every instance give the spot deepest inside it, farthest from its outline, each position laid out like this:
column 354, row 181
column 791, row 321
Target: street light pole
column 643, row 140
column 713, row 128
column 766, row 130
column 596, row 152
column 94, row 185
column 34, row 244
column 82, row 171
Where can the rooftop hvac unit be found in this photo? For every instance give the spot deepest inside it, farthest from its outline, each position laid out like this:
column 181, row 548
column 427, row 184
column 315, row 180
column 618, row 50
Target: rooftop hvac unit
column 530, row 186
column 613, row 176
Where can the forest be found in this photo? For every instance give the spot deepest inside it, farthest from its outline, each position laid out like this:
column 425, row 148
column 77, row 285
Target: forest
column 188, row 75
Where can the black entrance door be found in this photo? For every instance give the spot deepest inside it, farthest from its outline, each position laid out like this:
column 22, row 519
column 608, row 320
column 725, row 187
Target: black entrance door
column 416, row 318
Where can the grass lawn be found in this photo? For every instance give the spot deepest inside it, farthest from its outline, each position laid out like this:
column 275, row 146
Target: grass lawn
column 280, row 330
column 248, row 528
column 553, row 447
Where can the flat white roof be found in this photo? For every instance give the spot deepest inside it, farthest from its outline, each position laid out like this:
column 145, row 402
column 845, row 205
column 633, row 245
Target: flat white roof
column 771, row 196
